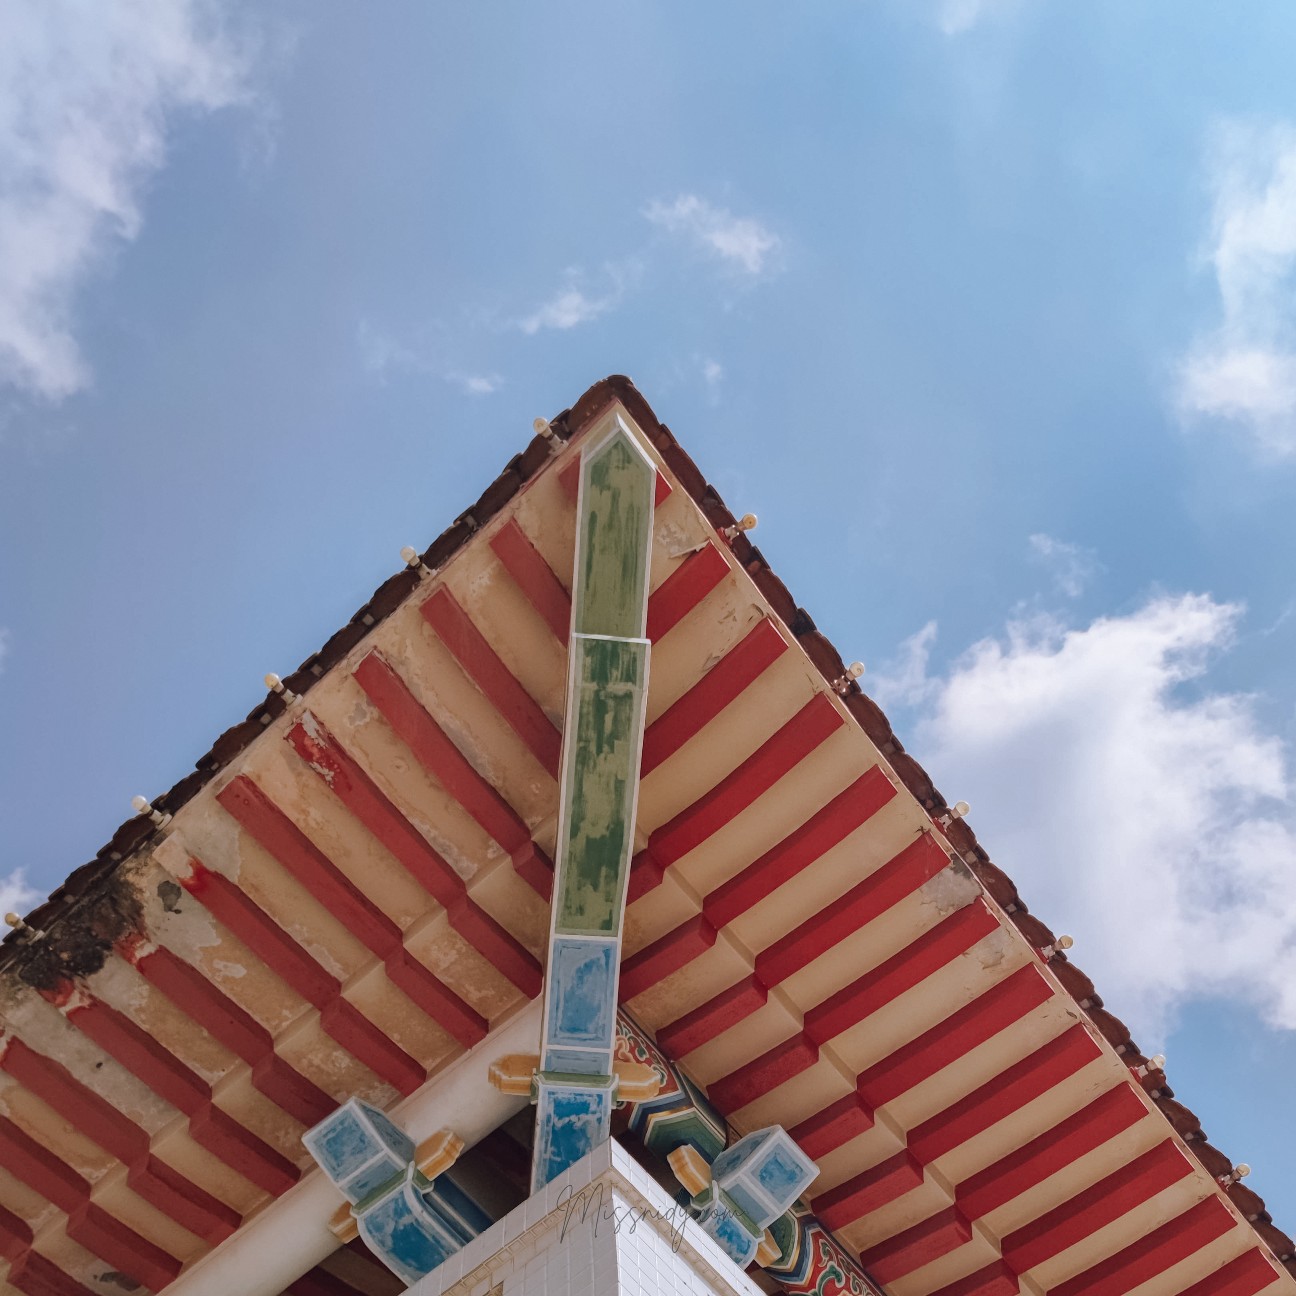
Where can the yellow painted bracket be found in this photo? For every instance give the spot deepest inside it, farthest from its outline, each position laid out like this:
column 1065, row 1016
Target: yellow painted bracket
column 513, row 1074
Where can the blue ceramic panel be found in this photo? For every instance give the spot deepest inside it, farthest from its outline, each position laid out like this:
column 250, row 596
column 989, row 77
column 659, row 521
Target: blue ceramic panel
column 764, row 1173
column 358, row 1148
column 582, row 994
column 728, row 1229
column 406, row 1232
column 570, row 1122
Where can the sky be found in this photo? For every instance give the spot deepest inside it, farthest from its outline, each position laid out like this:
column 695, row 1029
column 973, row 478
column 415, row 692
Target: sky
column 983, row 306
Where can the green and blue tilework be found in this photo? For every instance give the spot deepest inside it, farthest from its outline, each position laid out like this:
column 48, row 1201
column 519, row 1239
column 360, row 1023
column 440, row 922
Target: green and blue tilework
column 607, row 685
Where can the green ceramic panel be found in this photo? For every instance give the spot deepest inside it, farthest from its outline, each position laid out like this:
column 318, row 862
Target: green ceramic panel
column 617, row 487
column 605, row 712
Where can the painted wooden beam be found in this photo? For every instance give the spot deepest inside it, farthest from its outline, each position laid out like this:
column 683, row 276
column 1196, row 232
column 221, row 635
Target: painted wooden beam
column 483, row 665
column 1246, row 1275
column 169, row 1078
column 736, row 671
column 1096, row 1123
column 437, row 753
column 298, row 969
column 1100, row 1204
column 684, row 589
column 275, row 831
column 995, row 1279
column 210, row 1009
column 998, row 1098
column 848, row 1007
column 190, row 1206
column 88, row 1224
column 346, row 781
column 816, row 720
column 1153, row 1254
column 918, row 1245
column 534, row 577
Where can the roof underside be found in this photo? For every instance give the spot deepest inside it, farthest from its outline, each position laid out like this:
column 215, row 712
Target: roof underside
column 354, row 889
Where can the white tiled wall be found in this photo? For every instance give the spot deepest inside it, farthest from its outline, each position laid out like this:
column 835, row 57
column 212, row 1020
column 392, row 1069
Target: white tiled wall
column 639, row 1244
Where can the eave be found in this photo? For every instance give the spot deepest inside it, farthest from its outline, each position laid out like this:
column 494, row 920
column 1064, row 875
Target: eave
column 353, row 890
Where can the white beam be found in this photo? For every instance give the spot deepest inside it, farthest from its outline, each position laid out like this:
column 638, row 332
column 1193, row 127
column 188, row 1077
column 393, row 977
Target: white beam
column 291, row 1235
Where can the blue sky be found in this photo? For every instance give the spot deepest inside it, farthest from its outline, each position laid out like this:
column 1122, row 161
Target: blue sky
column 983, row 306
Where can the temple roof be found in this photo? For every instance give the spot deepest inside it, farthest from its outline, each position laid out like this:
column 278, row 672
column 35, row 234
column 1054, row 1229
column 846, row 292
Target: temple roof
column 352, row 890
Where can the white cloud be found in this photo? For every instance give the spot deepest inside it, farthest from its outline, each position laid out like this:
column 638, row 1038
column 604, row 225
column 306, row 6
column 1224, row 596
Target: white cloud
column 1243, row 373
column 476, row 384
column 15, row 895
column 575, row 303
column 740, row 242
column 565, row 309
column 1072, row 566
column 1136, row 809
column 85, row 94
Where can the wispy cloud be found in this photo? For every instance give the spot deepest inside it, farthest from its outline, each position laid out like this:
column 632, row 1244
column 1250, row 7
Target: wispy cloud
column 740, row 242
column 476, row 384
column 578, row 301
column 383, row 354
column 565, row 309
column 1149, row 822
column 1071, row 566
column 86, row 94
column 958, row 16
column 1243, row 373
column 15, row 895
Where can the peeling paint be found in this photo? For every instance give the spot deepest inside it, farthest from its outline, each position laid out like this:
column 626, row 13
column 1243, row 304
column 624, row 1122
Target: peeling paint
column 952, row 888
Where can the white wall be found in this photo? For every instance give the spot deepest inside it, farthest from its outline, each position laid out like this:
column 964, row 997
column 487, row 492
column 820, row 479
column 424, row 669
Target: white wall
column 603, row 1228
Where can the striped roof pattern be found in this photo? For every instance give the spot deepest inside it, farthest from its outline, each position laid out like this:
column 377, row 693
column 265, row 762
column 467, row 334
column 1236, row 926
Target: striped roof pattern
column 354, row 887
